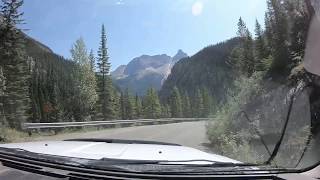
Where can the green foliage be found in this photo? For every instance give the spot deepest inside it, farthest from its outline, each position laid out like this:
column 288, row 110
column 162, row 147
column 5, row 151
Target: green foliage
column 106, row 102
column 175, row 103
column 260, row 49
column 222, row 132
column 151, row 104
column 92, row 61
column 198, row 106
column 209, row 68
column 245, row 60
column 277, row 25
column 138, row 107
column 85, row 80
column 128, row 105
column 208, row 106
column 15, row 64
column 2, row 89
column 186, row 106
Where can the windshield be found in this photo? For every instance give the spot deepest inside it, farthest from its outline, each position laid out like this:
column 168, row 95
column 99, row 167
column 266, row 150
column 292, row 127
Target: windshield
column 234, row 82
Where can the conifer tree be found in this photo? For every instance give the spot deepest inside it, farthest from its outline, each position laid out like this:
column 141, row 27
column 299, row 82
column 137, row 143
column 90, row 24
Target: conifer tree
column 260, row 48
column 2, row 89
column 92, row 61
column 277, row 32
column 207, row 103
column 105, row 89
column 151, row 104
column 138, row 106
column 198, row 107
column 175, row 103
column 15, row 63
column 186, row 106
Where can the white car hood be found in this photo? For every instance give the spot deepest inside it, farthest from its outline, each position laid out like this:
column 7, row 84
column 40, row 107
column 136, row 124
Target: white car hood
column 99, row 150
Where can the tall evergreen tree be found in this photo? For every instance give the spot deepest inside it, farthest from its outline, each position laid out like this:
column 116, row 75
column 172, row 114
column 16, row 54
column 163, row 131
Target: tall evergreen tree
column 175, row 103
column 207, row 103
column 246, row 59
column 105, row 88
column 14, row 61
column 129, row 105
column 138, row 106
column 2, row 89
column 151, row 104
column 186, row 106
column 277, row 24
column 260, row 48
column 299, row 15
column 198, row 107
column 92, row 61
column 117, row 105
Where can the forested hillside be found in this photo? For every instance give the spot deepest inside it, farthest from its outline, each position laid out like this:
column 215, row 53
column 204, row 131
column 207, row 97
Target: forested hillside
column 209, row 69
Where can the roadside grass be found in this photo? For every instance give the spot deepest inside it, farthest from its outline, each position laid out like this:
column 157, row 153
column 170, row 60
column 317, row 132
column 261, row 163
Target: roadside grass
column 8, row 135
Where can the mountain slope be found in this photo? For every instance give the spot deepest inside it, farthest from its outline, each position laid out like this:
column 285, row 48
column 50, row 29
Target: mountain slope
column 145, row 71
column 206, row 69
column 51, row 85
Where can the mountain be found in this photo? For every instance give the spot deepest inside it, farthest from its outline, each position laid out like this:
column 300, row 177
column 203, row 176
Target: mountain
column 145, row 71
column 208, row 68
column 180, row 54
column 119, row 71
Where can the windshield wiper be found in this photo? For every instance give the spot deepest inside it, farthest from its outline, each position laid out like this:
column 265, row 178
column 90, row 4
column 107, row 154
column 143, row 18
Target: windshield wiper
column 193, row 162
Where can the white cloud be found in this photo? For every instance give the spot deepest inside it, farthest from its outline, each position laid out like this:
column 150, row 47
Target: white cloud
column 197, row 8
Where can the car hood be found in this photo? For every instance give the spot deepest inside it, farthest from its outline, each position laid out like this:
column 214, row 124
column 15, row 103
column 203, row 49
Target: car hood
column 122, row 151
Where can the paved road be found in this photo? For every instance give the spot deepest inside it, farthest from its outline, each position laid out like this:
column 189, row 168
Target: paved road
column 191, row 134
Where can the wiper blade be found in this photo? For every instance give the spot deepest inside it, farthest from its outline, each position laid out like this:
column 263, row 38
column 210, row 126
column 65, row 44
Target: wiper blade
column 193, row 162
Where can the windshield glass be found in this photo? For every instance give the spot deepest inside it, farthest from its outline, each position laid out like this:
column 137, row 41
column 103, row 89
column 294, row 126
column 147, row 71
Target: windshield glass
column 230, row 81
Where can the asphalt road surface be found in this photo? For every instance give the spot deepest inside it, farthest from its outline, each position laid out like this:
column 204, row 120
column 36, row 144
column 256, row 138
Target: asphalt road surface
column 191, row 134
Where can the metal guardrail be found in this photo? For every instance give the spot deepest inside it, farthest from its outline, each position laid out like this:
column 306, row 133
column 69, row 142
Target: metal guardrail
column 38, row 126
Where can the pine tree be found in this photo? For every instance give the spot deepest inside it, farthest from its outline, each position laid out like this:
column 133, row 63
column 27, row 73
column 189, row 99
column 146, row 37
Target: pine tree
column 105, row 88
column 138, row 106
column 14, row 61
column 85, row 80
column 2, row 89
column 260, row 48
column 246, row 61
column 92, row 61
column 242, row 28
column 277, row 25
column 175, row 103
column 299, row 15
column 198, row 107
column 129, row 105
column 151, row 104
column 207, row 103
column 117, row 105
column 186, row 106
column 123, row 111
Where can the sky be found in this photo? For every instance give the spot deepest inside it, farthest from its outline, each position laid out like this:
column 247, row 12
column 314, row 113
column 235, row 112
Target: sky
column 137, row 27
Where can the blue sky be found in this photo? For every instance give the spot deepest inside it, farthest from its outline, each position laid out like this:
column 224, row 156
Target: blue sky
column 136, row 27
